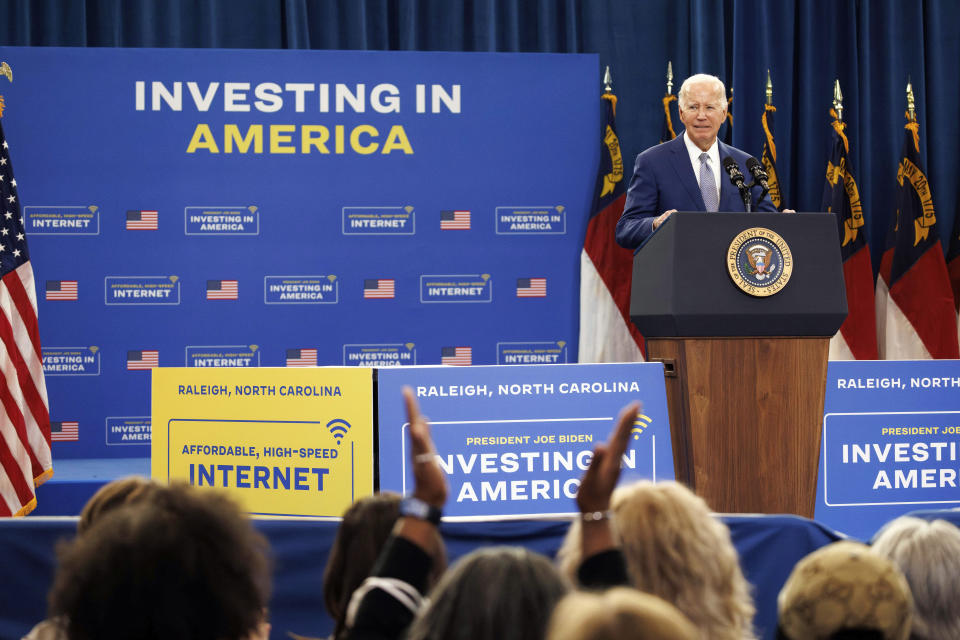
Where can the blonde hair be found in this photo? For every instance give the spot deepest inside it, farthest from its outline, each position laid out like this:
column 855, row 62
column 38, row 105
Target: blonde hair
column 677, row 550
column 683, row 95
column 928, row 554
column 618, row 614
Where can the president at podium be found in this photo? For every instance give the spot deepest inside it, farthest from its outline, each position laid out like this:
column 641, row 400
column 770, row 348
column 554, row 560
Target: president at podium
column 692, row 172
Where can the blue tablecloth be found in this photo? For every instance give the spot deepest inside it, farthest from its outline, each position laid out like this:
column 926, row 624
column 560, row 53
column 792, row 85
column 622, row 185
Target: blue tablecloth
column 769, row 546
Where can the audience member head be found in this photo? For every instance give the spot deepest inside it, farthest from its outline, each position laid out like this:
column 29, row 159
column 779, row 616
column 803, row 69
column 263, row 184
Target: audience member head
column 928, row 554
column 366, row 525
column 495, row 593
column 677, row 550
column 185, row 564
column 844, row 590
column 129, row 490
column 618, row 614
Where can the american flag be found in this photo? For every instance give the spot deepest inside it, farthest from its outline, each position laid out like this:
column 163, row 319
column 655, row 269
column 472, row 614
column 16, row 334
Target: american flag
column 144, row 359
column 301, row 357
column 382, row 288
column 531, row 287
column 61, row 289
column 65, row 431
column 461, row 356
column 222, row 289
column 25, row 460
column 455, row 220
column 145, row 220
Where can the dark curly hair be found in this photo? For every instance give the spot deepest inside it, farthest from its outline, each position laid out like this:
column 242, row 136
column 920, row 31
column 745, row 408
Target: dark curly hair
column 185, row 564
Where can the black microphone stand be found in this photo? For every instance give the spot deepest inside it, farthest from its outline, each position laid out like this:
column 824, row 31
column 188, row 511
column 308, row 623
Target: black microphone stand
column 747, row 200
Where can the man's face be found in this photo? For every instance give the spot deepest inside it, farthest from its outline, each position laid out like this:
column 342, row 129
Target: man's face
column 704, row 113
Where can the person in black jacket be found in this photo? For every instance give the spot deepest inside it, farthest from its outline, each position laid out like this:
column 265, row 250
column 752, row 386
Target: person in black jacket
column 386, row 604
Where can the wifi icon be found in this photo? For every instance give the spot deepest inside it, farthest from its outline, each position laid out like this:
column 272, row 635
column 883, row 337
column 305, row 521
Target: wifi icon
column 338, row 428
column 641, row 423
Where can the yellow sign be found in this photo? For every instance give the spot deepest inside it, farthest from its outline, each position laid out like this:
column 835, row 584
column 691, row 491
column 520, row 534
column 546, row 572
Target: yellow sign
column 280, row 441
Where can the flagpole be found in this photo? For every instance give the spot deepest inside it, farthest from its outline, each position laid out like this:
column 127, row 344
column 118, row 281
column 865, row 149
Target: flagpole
column 911, row 103
column 838, row 100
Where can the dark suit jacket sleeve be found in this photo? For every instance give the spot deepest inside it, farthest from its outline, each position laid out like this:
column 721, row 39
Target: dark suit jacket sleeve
column 636, row 223
column 766, row 204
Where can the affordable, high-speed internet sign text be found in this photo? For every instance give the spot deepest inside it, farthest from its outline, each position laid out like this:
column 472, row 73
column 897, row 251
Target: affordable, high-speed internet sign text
column 280, row 441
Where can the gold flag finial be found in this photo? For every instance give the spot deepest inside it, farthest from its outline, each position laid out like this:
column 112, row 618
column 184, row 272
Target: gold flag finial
column 669, row 77
column 837, row 99
column 607, row 80
column 911, row 104
column 769, row 89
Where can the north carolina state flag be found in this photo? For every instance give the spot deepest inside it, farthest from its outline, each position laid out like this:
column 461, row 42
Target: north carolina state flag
column 916, row 317
column 953, row 266
column 857, row 337
column 606, row 332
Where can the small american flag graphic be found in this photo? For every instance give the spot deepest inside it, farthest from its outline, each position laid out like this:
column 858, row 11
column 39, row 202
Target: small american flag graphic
column 455, row 220
column 531, row 287
column 222, row 289
column 65, row 431
column 381, row 288
column 144, row 359
column 301, row 357
column 61, row 290
column 459, row 356
column 142, row 220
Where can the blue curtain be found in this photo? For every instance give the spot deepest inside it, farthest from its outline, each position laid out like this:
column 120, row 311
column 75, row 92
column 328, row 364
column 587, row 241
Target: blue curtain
column 872, row 47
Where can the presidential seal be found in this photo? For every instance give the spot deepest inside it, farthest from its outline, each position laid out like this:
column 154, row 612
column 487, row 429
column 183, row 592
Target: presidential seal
column 759, row 262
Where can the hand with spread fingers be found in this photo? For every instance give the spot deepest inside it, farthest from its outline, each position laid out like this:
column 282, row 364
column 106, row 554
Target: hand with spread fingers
column 602, row 475
column 430, row 485
column 599, row 481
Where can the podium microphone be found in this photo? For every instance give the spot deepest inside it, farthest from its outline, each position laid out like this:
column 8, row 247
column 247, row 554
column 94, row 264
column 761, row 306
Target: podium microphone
column 736, row 177
column 760, row 176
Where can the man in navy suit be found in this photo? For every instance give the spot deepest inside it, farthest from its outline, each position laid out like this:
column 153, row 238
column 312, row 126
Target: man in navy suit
column 685, row 174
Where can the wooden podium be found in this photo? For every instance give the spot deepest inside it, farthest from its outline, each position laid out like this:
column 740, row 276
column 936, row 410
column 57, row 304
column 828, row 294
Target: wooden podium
column 745, row 375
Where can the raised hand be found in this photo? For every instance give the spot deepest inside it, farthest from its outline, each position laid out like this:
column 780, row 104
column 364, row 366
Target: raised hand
column 429, row 483
column 602, row 475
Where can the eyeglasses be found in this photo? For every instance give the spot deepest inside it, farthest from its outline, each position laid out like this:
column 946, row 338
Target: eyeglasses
column 710, row 109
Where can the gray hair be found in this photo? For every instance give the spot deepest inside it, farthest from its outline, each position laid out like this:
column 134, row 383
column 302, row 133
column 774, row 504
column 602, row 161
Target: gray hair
column 701, row 78
column 494, row 593
column 928, row 553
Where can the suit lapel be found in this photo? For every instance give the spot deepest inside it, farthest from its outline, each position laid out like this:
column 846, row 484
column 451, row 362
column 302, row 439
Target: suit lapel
column 681, row 164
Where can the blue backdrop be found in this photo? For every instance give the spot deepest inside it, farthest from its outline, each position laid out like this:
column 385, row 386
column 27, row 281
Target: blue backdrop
column 288, row 208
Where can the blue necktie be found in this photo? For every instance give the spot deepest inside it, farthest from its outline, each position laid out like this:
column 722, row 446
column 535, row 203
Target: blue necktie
column 708, row 185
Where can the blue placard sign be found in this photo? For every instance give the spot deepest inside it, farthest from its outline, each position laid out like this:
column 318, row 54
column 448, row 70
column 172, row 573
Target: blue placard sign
column 128, row 430
column 514, row 441
column 531, row 220
column 141, row 290
column 62, row 221
column 456, row 288
column 379, row 221
column 891, row 442
column 222, row 356
column 221, row 221
column 379, row 355
column 71, row 361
